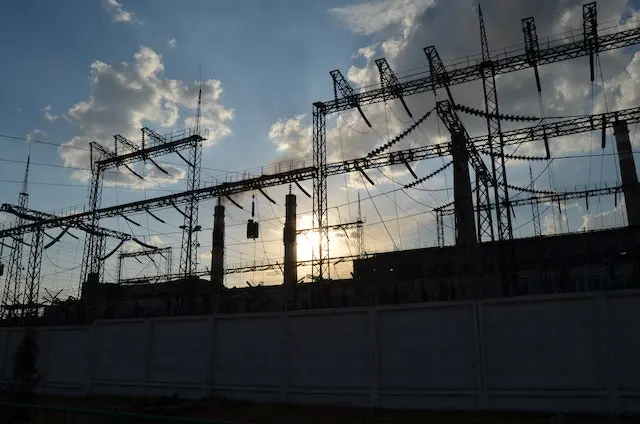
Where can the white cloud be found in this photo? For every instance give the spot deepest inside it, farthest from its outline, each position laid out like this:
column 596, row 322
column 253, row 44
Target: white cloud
column 172, row 43
column 132, row 246
column 291, row 136
column 614, row 217
column 453, row 27
column 374, row 16
column 125, row 97
column 36, row 134
column 118, row 13
column 47, row 115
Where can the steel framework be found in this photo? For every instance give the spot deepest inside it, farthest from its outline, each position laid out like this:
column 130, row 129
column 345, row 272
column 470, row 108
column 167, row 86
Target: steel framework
column 515, row 59
column 538, row 197
column 484, row 180
column 102, row 159
column 512, row 137
column 494, row 138
column 166, row 253
column 13, row 283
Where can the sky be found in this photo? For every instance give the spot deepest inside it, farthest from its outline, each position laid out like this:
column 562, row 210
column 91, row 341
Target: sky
column 80, row 70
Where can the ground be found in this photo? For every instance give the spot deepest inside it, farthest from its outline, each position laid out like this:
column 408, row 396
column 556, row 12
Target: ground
column 246, row 412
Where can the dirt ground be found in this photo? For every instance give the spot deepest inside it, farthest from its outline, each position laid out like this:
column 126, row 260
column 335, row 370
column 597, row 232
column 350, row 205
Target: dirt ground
column 246, row 412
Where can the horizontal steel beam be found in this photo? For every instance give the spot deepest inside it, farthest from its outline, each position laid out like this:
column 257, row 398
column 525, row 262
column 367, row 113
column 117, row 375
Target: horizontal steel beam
column 513, row 60
column 400, row 157
column 548, row 197
column 149, row 152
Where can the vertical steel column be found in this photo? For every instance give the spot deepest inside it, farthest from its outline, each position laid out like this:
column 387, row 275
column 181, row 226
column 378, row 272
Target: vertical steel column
column 496, row 143
column 93, row 248
column 190, row 228
column 12, row 294
column 590, row 27
column 34, row 267
column 320, row 206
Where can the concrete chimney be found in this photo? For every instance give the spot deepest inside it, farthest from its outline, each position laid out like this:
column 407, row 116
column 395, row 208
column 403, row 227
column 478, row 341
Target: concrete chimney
column 628, row 172
column 463, row 198
column 290, row 244
column 217, row 253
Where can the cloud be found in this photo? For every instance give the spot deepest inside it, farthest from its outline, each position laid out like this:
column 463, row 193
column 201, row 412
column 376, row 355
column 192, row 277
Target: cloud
column 36, row 134
column 612, row 218
column 47, row 115
column 453, row 28
column 118, row 13
column 374, row 16
column 128, row 96
column 172, row 43
column 292, row 136
column 132, row 246
column 18, row 109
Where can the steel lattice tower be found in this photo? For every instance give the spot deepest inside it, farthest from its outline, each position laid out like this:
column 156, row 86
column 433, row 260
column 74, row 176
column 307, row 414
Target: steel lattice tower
column 496, row 143
column 190, row 227
column 12, row 294
column 93, row 243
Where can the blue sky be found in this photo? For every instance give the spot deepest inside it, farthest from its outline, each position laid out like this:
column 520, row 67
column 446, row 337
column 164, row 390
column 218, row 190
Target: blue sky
column 263, row 65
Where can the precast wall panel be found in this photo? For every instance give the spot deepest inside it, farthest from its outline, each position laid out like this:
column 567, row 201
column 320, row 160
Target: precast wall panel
column 542, row 344
column 428, row 357
column 120, row 356
column 428, row 348
column 552, row 353
column 328, row 350
column 67, row 355
column 623, row 317
column 248, row 351
column 179, row 351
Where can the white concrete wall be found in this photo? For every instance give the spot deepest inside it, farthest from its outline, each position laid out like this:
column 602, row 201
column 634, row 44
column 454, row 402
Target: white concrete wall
column 578, row 352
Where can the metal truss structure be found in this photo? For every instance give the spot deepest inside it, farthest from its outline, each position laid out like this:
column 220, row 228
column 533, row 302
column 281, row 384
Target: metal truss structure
column 451, row 120
column 522, row 135
column 102, row 159
column 494, row 135
column 530, row 55
column 538, row 197
column 165, row 253
column 266, row 266
column 25, row 302
column 12, row 293
column 515, row 59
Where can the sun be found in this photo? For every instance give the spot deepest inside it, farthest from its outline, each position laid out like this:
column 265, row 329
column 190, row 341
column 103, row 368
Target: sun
column 308, row 240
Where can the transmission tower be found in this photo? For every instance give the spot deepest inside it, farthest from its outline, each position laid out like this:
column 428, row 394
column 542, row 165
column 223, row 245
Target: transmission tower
column 496, row 143
column 93, row 244
column 190, row 227
column 535, row 208
column 11, row 296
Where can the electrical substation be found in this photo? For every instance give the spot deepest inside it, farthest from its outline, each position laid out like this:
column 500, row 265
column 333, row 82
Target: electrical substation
column 485, row 260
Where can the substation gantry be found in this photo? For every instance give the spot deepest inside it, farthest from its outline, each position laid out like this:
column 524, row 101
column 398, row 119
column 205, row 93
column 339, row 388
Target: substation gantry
column 530, row 55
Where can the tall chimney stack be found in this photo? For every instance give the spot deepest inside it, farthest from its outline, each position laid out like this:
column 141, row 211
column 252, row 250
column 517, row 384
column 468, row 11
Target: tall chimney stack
column 628, row 172
column 290, row 244
column 217, row 254
column 463, row 199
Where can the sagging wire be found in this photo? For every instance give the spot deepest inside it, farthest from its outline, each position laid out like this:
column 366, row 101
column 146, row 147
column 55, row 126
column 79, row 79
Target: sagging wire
column 379, row 214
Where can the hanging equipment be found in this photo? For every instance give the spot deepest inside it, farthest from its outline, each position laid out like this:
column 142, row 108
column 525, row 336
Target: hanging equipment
column 252, row 226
